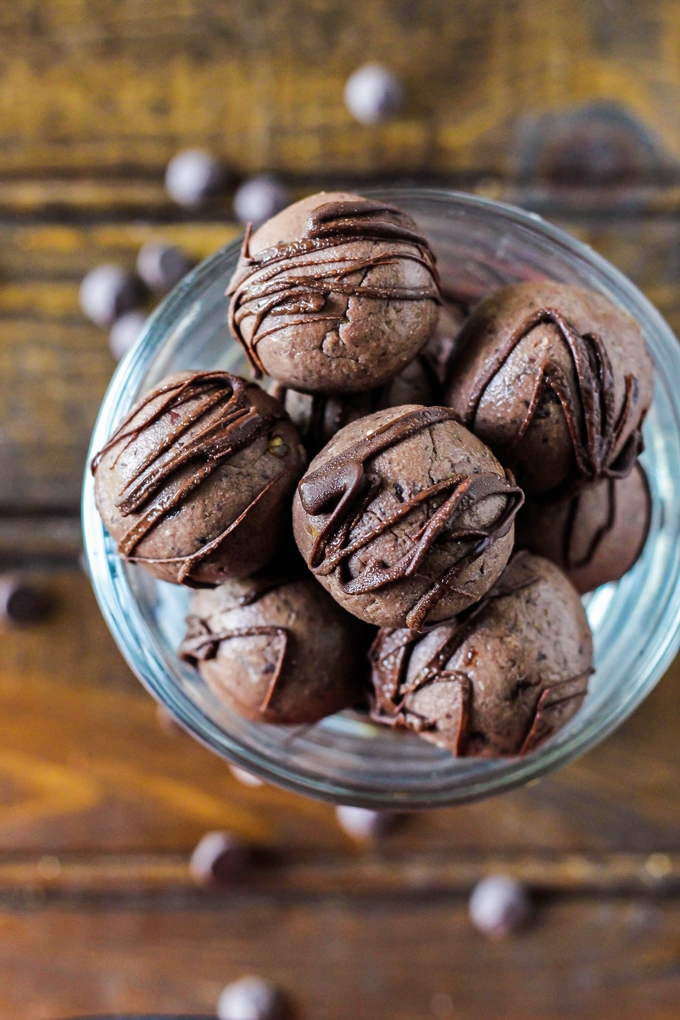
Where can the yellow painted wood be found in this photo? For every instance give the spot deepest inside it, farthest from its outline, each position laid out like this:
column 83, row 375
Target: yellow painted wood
column 111, row 87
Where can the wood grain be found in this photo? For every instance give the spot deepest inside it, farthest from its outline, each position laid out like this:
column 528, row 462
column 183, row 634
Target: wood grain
column 368, row 960
column 83, row 89
column 95, row 878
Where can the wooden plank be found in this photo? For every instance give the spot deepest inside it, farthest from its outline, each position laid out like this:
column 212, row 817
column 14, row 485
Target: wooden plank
column 369, row 960
column 68, row 877
column 42, row 539
column 119, row 88
column 85, row 768
column 45, row 252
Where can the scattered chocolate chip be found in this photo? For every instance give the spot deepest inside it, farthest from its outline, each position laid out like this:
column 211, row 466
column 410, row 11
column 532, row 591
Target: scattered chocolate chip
column 499, row 906
column 23, row 603
column 242, row 776
column 193, row 177
column 362, row 824
column 260, row 198
column 251, row 998
column 373, row 94
column 218, row 858
column 161, row 266
column 107, row 292
column 125, row 332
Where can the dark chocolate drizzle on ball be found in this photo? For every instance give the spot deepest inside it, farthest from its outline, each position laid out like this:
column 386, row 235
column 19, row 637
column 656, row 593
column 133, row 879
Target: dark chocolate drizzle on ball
column 344, row 490
column 590, row 411
column 271, row 284
column 390, row 654
column 230, row 422
column 569, row 557
column 201, row 644
column 571, row 561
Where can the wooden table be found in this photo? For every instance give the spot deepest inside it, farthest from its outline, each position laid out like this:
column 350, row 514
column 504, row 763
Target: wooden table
column 567, row 107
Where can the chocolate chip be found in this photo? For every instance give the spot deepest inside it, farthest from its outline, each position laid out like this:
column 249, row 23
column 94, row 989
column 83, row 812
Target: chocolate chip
column 107, row 292
column 161, row 266
column 125, row 332
column 363, row 824
column 373, row 94
column 259, row 198
column 499, row 906
column 193, row 177
column 251, row 998
column 22, row 603
column 218, row 858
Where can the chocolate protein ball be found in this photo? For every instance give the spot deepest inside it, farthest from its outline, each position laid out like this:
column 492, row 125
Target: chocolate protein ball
column 318, row 416
column 557, row 381
column 405, row 517
column 196, row 481
column 275, row 650
column 596, row 536
column 336, row 294
column 501, row 678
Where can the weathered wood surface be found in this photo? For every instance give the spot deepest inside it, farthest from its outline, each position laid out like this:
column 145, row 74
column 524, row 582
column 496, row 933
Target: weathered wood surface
column 99, row 88
column 85, row 768
column 54, row 366
column 98, row 877
column 338, row 959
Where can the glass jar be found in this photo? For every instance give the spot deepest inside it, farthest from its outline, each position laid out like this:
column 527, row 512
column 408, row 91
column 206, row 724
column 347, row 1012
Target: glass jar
column 480, row 245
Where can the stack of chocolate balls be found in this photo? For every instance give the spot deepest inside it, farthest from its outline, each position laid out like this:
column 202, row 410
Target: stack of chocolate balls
column 452, row 483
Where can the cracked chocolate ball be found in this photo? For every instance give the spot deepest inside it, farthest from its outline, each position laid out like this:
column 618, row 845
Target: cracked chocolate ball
column 596, row 536
column 500, row 679
column 318, row 416
column 195, row 483
column 336, row 294
column 557, row 381
column 276, row 651
column 405, row 517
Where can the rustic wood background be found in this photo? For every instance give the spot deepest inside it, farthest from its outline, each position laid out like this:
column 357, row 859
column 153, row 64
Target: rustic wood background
column 569, row 107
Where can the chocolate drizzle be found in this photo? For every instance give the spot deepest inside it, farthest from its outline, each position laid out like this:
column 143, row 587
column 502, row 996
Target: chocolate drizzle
column 390, row 655
column 201, row 644
column 228, row 422
column 271, row 285
column 589, row 408
column 570, row 559
column 343, row 490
